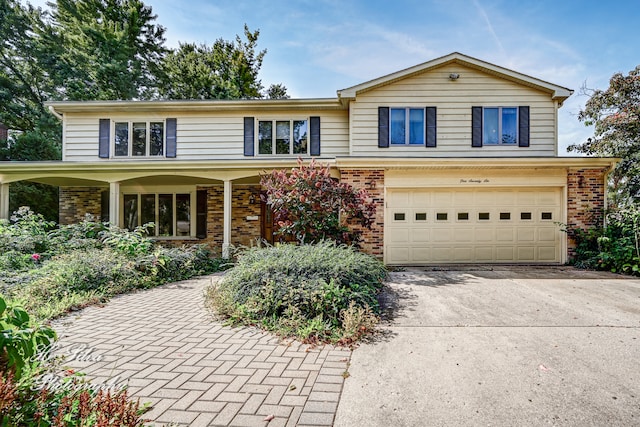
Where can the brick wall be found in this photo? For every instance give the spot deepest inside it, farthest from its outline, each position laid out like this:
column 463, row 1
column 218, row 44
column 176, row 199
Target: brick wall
column 586, row 200
column 76, row 202
column 373, row 182
column 243, row 232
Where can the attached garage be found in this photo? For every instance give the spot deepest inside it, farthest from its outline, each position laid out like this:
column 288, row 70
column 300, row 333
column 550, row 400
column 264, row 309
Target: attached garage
column 473, row 225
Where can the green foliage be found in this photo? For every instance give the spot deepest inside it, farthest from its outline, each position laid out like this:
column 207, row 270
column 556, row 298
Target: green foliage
column 615, row 113
column 53, row 270
column 615, row 247
column 301, row 291
column 20, row 340
column 226, row 70
column 106, row 49
column 310, row 206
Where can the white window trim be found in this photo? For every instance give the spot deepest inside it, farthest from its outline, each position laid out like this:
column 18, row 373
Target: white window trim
column 130, row 138
column 138, row 191
column 500, row 108
column 407, row 132
column 273, row 136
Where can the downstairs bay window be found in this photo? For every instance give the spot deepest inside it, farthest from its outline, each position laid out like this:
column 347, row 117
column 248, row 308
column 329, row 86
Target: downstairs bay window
column 169, row 212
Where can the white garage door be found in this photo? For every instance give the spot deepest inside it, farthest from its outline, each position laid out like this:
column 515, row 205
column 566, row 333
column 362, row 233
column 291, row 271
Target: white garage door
column 473, row 225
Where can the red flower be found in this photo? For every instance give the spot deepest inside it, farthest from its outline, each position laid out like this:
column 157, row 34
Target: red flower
column 35, row 257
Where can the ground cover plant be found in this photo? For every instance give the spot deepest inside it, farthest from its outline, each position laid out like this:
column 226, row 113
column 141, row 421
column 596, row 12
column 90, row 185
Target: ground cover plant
column 314, row 292
column 50, row 270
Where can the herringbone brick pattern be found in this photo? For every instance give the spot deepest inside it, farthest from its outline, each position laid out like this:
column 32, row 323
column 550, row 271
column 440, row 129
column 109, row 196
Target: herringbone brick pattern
column 168, row 350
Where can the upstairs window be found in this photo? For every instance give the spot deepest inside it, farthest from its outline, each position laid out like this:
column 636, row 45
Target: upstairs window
column 500, row 125
column 138, row 139
column 507, row 126
column 283, row 137
column 406, row 126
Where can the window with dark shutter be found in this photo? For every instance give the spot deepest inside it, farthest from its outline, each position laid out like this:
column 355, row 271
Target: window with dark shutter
column 523, row 126
column 431, row 127
column 476, row 126
column 171, row 129
column 314, row 125
column 249, row 131
column 383, row 127
column 104, row 139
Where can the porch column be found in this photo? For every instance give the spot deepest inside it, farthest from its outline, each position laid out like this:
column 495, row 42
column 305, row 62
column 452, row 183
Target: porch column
column 226, row 219
column 114, row 203
column 4, row 201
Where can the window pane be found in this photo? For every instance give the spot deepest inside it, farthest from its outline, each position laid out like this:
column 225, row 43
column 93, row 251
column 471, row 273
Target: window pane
column 283, row 137
column 416, row 126
column 122, row 139
column 165, row 215
column 490, row 135
column 130, row 211
column 139, row 139
column 148, row 210
column 183, row 214
column 156, row 139
column 300, row 137
column 265, row 137
column 397, row 123
column 509, row 125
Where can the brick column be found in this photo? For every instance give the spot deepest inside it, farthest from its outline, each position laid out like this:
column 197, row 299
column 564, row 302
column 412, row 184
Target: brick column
column 586, row 192
column 373, row 182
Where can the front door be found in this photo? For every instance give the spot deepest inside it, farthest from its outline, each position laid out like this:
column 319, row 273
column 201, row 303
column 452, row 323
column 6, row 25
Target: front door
column 266, row 218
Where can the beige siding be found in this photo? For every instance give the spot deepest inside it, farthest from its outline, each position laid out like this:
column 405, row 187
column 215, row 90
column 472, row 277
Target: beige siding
column 203, row 136
column 454, row 100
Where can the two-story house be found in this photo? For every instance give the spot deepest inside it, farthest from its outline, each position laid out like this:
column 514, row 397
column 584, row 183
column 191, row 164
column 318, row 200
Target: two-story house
column 459, row 154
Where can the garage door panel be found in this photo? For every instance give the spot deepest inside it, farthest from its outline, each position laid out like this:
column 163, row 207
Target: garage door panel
column 463, row 235
column 505, row 234
column 547, row 234
column 505, row 253
column 484, row 253
column 547, row 253
column 462, row 254
column 398, row 235
column 526, row 234
column 484, row 234
column 473, row 225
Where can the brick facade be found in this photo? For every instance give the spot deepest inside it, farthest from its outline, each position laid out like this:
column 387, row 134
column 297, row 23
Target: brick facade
column 76, row 202
column 373, row 182
column 586, row 192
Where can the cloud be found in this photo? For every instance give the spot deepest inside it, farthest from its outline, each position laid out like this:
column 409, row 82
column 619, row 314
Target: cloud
column 486, row 19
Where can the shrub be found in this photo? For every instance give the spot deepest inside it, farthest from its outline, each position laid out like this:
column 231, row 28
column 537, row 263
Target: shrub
column 301, row 291
column 615, row 247
column 310, row 206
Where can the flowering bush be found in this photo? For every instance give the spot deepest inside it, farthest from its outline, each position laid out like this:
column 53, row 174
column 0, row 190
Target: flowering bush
column 310, row 206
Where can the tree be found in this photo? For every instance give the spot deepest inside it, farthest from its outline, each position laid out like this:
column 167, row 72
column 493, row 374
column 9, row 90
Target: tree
column 110, row 49
column 277, row 91
column 310, row 206
column 615, row 112
column 224, row 70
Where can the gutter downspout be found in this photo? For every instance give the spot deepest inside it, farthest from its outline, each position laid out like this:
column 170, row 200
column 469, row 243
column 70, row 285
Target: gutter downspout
column 610, row 168
column 55, row 113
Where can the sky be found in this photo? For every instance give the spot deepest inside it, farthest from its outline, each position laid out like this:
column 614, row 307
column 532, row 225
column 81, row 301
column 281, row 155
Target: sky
column 316, row 47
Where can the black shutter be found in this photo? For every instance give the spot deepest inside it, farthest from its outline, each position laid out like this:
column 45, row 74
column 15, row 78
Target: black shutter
column 171, row 128
column 314, row 131
column 201, row 214
column 104, row 139
column 523, row 126
column 249, row 135
column 383, row 127
column 476, row 126
column 430, row 140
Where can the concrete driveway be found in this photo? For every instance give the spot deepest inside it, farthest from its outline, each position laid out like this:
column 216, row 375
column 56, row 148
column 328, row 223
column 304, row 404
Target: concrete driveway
column 502, row 346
